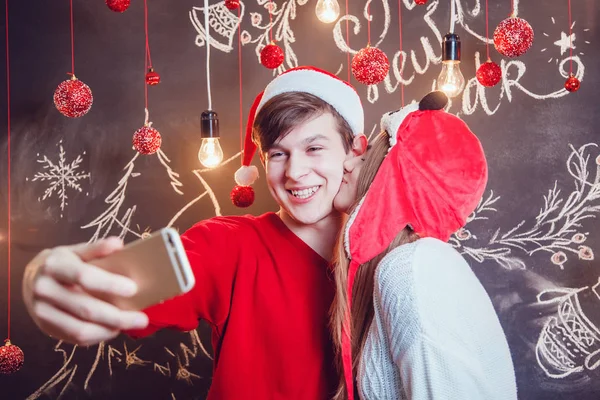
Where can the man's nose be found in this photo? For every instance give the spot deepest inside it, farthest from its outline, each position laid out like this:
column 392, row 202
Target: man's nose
column 297, row 167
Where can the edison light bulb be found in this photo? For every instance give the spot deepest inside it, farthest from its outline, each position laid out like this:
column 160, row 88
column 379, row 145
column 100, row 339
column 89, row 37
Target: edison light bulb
column 210, row 153
column 327, row 10
column 451, row 81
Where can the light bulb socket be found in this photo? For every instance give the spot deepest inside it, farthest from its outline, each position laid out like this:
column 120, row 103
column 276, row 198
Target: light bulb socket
column 209, row 125
column 451, row 47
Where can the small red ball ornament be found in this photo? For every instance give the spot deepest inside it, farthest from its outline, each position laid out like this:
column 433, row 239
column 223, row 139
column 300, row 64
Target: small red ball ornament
column 489, row 73
column 11, row 358
column 152, row 77
column 370, row 65
column 513, row 37
column 420, row 2
column 242, row 196
column 147, row 140
column 572, row 84
column 118, row 5
column 73, row 98
column 232, row 4
column 271, row 56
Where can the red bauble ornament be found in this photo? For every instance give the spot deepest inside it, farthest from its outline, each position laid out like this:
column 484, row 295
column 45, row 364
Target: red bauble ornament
column 242, row 196
column 147, row 140
column 370, row 65
column 420, row 2
column 572, row 84
column 118, row 5
column 11, row 358
column 513, row 37
column 271, row 56
column 232, row 4
column 73, row 98
column 489, row 73
column 152, row 77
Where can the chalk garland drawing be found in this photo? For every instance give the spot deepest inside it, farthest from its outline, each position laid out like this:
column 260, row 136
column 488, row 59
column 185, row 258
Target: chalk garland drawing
column 557, row 229
column 60, row 176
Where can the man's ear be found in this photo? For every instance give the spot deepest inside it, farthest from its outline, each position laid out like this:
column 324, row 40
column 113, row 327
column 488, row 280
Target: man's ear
column 359, row 144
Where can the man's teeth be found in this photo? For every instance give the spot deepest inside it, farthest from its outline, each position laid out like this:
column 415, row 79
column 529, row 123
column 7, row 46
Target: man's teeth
column 304, row 193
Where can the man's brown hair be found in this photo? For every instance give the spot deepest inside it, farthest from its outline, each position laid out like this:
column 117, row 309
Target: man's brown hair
column 281, row 114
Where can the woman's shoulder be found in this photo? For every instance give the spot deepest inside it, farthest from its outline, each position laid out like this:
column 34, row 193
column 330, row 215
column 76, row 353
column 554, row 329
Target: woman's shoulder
column 426, row 255
column 426, row 267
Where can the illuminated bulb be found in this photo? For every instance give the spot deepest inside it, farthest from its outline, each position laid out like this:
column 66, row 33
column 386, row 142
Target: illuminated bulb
column 210, row 154
column 451, row 81
column 327, row 10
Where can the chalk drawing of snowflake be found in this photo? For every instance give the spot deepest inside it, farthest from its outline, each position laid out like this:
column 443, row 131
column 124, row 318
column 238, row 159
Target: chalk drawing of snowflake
column 60, row 176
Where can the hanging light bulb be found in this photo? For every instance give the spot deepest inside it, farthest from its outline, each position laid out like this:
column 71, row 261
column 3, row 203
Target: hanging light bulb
column 451, row 81
column 327, row 10
column 210, row 154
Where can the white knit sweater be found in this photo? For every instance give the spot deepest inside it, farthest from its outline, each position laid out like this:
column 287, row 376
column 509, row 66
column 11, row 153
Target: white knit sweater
column 435, row 334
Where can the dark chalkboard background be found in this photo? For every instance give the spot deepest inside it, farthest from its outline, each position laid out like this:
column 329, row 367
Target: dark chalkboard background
column 531, row 242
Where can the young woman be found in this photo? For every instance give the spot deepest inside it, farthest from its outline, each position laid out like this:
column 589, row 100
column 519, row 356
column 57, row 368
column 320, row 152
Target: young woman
column 410, row 319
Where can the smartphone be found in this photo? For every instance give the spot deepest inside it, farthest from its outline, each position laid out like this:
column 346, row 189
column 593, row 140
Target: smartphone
column 159, row 266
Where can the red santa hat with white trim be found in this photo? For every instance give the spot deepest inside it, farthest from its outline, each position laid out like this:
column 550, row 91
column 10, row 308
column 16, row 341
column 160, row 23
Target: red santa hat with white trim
column 322, row 84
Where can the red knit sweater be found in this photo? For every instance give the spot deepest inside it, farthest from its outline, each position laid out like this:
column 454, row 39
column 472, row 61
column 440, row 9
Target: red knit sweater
column 267, row 295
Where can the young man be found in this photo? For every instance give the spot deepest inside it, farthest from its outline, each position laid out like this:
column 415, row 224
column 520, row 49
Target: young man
column 263, row 283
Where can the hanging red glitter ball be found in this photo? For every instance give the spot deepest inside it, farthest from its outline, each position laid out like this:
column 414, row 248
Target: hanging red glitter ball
column 370, row 65
column 489, row 73
column 242, row 196
column 271, row 56
column 147, row 140
column 420, row 2
column 152, row 77
column 118, row 5
column 572, row 84
column 513, row 37
column 232, row 4
column 73, row 98
column 11, row 358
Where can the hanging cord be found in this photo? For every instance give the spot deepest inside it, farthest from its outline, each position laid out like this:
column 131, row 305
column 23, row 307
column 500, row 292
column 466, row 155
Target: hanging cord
column 147, row 60
column 369, row 25
column 570, row 42
column 452, row 15
column 8, row 126
column 270, row 20
column 240, row 78
column 206, row 27
column 72, row 41
column 487, row 31
column 401, row 56
column 348, row 42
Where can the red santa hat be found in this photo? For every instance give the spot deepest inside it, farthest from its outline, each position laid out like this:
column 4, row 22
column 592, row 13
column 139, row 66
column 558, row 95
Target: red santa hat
column 322, row 84
column 432, row 179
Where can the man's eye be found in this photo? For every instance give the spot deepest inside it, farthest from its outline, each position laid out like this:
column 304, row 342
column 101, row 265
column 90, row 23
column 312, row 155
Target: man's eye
column 311, row 149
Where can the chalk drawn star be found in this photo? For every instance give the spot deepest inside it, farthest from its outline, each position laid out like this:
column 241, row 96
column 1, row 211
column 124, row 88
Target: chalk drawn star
column 565, row 42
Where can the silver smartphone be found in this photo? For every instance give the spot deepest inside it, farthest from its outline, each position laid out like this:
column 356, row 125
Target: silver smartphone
column 159, row 266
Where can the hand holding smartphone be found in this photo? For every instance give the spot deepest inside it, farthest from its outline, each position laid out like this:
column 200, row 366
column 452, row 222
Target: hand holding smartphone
column 159, row 266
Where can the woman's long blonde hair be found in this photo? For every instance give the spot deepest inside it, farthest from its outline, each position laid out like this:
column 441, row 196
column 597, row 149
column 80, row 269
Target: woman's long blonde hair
column 362, row 291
